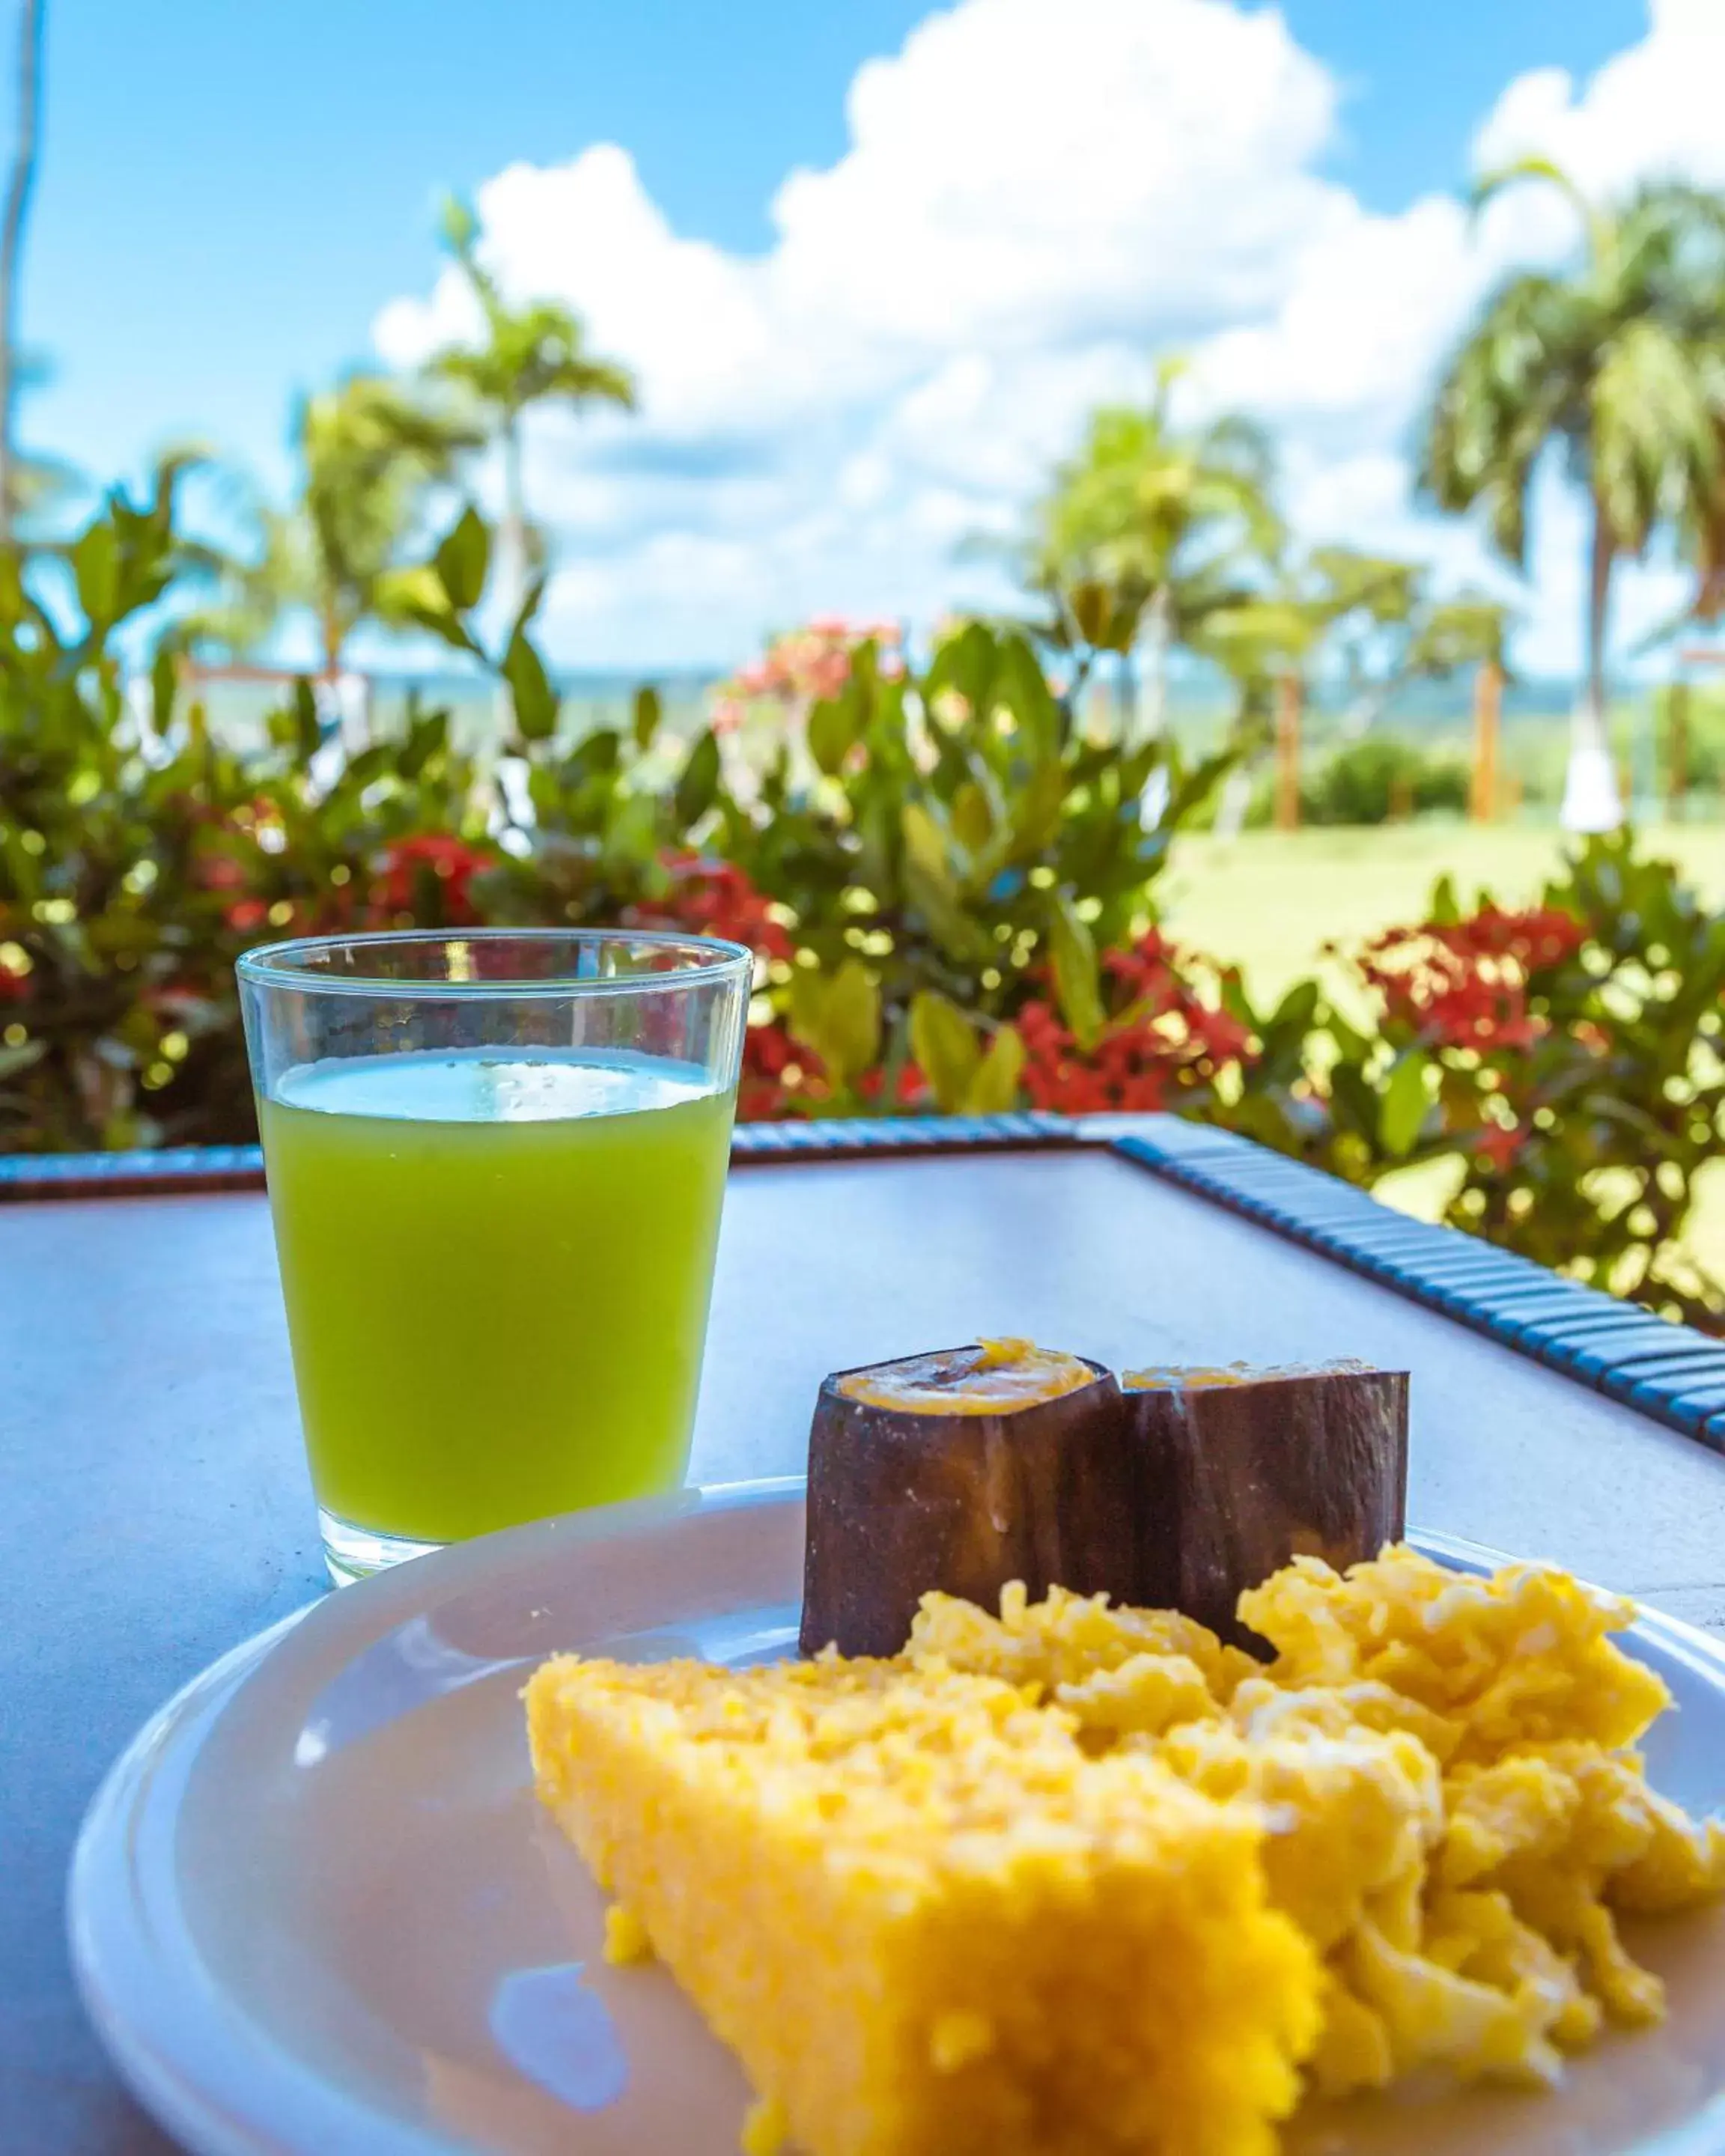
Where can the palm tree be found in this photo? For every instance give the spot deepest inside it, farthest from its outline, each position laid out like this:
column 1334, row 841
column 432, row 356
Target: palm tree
column 1620, row 360
column 1383, row 628
column 1163, row 520
column 370, row 454
column 535, row 353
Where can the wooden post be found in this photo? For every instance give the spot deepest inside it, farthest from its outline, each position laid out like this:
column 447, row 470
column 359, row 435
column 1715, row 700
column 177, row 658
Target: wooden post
column 1676, row 750
column 1287, row 754
column 1487, row 736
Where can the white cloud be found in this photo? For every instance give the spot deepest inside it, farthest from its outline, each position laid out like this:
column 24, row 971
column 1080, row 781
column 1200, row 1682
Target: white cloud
column 1038, row 194
column 1651, row 111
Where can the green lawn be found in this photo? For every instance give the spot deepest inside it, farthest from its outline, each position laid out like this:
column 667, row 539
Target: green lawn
column 1271, row 901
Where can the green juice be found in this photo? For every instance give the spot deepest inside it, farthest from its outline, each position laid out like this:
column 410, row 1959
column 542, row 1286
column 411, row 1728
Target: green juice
column 496, row 1275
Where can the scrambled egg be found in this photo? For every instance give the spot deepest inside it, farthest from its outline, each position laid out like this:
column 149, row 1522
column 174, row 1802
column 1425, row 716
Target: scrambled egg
column 1442, row 1765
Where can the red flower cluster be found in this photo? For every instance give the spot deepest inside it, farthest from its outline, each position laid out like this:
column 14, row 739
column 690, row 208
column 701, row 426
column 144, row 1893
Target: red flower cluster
column 1500, row 1143
column 715, row 898
column 1162, row 1039
column 220, row 872
column 913, row 1095
column 454, row 862
column 764, row 1094
column 1466, row 984
column 760, row 1090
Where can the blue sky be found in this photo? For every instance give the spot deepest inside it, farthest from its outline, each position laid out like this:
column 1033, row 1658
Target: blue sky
column 230, row 193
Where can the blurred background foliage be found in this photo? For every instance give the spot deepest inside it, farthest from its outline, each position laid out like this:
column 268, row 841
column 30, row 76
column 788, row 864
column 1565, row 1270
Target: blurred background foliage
column 949, row 875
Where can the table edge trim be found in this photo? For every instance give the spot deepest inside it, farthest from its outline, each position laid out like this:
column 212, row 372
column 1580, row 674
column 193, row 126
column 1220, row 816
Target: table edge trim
column 1583, row 1333
column 171, row 1170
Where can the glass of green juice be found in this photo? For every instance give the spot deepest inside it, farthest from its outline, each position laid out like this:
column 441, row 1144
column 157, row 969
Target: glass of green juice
column 495, row 1163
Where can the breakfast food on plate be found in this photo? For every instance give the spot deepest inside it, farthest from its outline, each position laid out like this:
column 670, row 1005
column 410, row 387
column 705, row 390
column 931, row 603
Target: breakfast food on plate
column 929, row 1922
column 960, row 1471
column 1245, row 1469
column 1076, row 1878
column 1455, row 1813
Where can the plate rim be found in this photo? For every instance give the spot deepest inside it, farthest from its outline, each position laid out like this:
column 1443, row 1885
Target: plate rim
column 106, row 1920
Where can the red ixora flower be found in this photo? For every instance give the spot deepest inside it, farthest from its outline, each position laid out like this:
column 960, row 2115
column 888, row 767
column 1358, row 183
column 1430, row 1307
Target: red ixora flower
column 911, row 1095
column 1466, row 984
column 1162, row 1039
column 1500, row 1143
column 760, row 1090
column 452, row 861
column 715, row 898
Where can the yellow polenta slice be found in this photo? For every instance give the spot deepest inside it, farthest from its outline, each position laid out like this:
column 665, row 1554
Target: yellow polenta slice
column 925, row 1920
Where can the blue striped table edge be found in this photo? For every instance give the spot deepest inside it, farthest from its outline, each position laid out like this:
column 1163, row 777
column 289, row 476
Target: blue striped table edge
column 174, row 1169
column 901, row 1134
column 167, row 1169
column 1671, row 1372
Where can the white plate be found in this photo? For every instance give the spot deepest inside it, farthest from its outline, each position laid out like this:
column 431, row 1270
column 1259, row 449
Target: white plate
column 315, row 1909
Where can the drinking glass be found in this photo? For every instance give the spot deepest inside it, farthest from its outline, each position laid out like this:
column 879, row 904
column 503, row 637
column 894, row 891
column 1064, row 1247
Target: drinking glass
column 495, row 1163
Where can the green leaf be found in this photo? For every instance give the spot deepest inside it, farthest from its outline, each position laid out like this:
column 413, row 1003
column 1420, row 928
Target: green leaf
column 832, row 731
column 926, row 843
column 698, row 785
column 308, row 731
column 965, row 662
column 463, row 560
column 1443, row 907
column 648, row 711
column 95, row 565
column 428, row 736
column 417, row 595
column 1022, row 688
column 839, row 1017
column 945, row 1047
column 1297, row 1011
column 853, row 1020
column 1036, row 819
column 597, row 755
column 972, row 819
column 1077, row 983
column 1104, row 618
column 631, row 829
column 14, row 1060
column 528, row 608
column 14, row 607
column 164, row 684
column 1401, row 1113
column 994, row 1089
column 529, row 690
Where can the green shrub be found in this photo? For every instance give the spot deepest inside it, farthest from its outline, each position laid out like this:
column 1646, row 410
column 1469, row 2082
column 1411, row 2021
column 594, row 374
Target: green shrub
column 933, row 842
column 1567, row 1058
column 948, row 886
column 1382, row 777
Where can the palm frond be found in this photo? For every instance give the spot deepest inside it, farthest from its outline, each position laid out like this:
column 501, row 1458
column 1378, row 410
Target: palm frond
column 1655, row 445
column 1490, row 185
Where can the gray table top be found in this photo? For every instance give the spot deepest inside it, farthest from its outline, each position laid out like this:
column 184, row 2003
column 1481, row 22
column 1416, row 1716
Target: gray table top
column 158, row 1508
